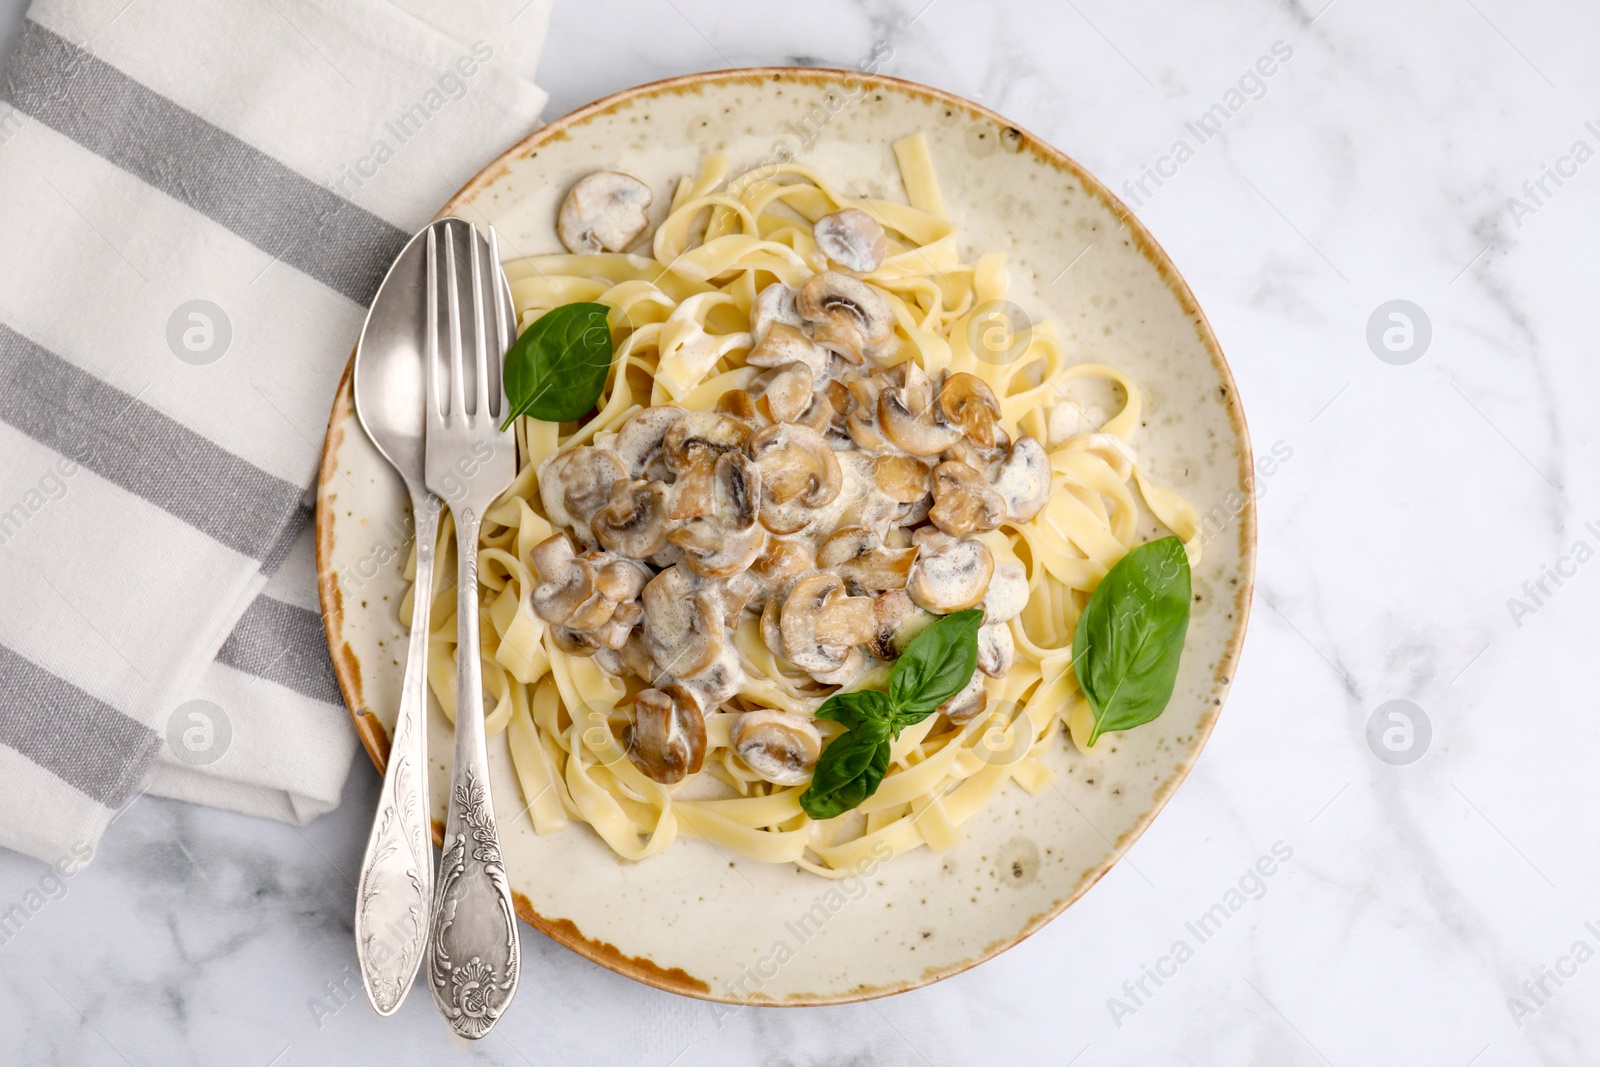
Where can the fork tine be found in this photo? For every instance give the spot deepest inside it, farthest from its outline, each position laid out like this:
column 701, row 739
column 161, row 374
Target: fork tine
column 497, row 394
column 431, row 363
column 458, row 392
column 479, row 333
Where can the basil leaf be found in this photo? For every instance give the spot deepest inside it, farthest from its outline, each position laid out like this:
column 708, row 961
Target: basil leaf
column 935, row 666
column 853, row 709
column 557, row 369
column 1130, row 636
column 849, row 771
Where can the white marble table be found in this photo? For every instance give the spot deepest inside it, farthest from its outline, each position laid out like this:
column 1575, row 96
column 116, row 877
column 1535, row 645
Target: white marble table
column 1403, row 543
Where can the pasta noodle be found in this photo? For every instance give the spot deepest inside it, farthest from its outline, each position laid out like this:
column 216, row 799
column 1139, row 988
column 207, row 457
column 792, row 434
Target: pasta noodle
column 682, row 319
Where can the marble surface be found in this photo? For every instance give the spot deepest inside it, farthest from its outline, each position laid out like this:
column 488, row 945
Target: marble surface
column 1436, row 911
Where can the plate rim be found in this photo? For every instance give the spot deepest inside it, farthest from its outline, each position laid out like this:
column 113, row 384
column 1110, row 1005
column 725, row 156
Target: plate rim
column 374, row 736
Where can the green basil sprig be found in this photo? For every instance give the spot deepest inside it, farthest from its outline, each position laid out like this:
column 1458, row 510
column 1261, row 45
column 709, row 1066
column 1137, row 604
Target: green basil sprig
column 1129, row 638
column 557, row 368
column 934, row 667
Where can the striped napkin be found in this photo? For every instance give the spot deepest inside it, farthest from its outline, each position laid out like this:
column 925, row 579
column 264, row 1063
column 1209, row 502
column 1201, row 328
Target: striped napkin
column 198, row 202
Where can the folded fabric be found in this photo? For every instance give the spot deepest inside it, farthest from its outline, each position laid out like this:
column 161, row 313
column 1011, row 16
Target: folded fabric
column 199, row 202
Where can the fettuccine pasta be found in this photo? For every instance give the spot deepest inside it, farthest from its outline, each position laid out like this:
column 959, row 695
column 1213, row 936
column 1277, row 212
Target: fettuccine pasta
column 685, row 318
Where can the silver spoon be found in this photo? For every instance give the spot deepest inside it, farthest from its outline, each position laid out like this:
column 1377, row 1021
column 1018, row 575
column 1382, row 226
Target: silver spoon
column 394, row 898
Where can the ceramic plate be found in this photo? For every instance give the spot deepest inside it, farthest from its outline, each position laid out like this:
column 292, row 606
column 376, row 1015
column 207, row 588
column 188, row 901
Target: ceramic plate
column 694, row 920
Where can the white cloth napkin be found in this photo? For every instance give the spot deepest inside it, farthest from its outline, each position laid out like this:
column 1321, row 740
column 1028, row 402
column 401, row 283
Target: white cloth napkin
column 198, row 201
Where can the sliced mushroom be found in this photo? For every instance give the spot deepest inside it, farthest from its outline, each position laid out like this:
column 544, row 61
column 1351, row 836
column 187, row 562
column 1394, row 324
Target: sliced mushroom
column 861, row 419
column 853, row 239
column 638, row 443
column 901, row 478
column 909, row 417
column 729, row 539
column 997, row 650
column 771, row 631
column 854, row 666
column 1024, row 480
column 691, row 447
column 1008, row 593
column 566, row 584
column 747, row 589
column 573, row 485
column 847, row 316
column 739, row 404
column 604, row 212
column 818, row 414
column 786, row 344
column 820, row 623
column 774, row 305
column 986, row 461
column 859, row 556
column 799, row 471
column 963, row 501
column 617, row 629
column 610, row 635
column 717, row 680
column 784, row 558
column 898, row 621
column 953, row 578
column 779, row 746
column 551, row 557
column 786, row 393
column 618, row 580
column 914, row 513
column 637, row 520
column 587, row 592
column 966, row 704
column 667, row 738
column 682, row 625
column 860, row 502
column 967, row 401
column 670, row 555
column 702, row 431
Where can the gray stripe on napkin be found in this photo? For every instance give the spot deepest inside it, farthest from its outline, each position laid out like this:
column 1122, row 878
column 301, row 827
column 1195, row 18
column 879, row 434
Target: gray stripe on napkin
column 84, row 741
column 285, row 543
column 281, row 212
column 283, row 644
column 142, row 450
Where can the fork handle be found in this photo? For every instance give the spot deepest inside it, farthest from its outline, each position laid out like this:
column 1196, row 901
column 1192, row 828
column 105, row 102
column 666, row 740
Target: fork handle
column 473, row 953
column 395, row 894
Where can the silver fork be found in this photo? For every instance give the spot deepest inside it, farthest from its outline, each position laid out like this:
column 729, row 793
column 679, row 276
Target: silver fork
column 473, row 951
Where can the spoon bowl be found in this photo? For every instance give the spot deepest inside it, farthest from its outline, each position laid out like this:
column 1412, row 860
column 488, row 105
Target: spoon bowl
column 390, row 390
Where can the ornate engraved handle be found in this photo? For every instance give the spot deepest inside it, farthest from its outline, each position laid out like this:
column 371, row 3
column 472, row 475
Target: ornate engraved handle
column 395, row 894
column 473, row 955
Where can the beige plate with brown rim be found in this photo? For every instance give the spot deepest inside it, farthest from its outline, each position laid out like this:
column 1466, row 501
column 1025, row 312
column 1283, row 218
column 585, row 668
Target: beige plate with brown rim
column 692, row 920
